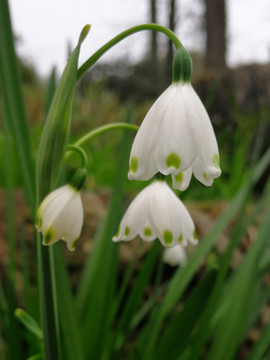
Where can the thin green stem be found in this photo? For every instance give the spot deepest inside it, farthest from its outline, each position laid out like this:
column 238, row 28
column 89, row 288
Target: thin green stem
column 103, row 129
column 81, row 152
column 154, row 27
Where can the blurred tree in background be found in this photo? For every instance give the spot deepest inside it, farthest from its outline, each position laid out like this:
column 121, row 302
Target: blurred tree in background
column 215, row 27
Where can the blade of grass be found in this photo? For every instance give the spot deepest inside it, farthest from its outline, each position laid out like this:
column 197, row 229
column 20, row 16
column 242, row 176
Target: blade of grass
column 234, row 322
column 13, row 103
column 261, row 346
column 176, row 333
column 70, row 330
column 97, row 287
column 134, row 298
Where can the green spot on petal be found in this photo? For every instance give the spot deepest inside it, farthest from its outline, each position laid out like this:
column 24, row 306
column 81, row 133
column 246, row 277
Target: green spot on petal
column 47, row 237
column 168, row 236
column 118, row 231
column 216, row 161
column 179, row 177
column 74, row 243
column 134, row 164
column 127, row 230
column 147, row 231
column 195, row 234
column 173, row 160
column 180, row 239
column 204, row 176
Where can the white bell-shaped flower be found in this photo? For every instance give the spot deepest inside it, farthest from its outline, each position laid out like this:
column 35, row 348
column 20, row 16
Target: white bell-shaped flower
column 157, row 212
column 60, row 215
column 175, row 255
column 176, row 137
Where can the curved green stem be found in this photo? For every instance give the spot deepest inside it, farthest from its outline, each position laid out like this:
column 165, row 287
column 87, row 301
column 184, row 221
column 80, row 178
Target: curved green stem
column 123, row 35
column 103, row 129
column 80, row 151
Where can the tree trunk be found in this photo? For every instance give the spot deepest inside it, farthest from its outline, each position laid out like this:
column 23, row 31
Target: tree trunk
column 215, row 22
column 172, row 23
column 153, row 11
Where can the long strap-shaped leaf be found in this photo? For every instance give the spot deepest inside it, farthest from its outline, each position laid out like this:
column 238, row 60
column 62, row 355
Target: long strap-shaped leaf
column 13, row 102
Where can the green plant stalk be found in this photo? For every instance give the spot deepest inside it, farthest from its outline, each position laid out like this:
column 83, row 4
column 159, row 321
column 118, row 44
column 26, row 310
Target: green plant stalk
column 154, row 27
column 50, row 156
column 102, row 129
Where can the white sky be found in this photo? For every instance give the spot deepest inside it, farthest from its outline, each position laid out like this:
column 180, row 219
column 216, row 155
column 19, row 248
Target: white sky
column 46, row 26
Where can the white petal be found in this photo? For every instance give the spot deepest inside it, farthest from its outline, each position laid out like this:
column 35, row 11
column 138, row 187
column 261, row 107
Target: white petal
column 53, row 204
column 167, row 214
column 182, row 179
column 175, row 149
column 61, row 216
column 175, row 255
column 142, row 163
column 205, row 174
column 135, row 218
column 147, row 233
column 203, row 133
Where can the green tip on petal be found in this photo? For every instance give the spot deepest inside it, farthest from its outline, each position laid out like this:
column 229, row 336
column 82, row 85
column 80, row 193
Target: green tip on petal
column 216, row 161
column 173, row 160
column 147, row 232
column 204, row 176
column 180, row 239
column 179, row 177
column 127, row 230
column 134, row 164
column 195, row 234
column 118, row 231
column 39, row 220
column 74, row 243
column 168, row 237
column 47, row 236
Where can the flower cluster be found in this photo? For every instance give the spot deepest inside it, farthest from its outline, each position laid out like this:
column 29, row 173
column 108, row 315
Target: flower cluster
column 176, row 138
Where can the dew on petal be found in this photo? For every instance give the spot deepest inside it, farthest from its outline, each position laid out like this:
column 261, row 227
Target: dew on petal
column 168, row 237
column 173, row 160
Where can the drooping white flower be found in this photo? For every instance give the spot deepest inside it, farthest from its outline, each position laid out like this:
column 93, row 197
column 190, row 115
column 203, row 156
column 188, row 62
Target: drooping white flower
column 60, row 215
column 176, row 137
column 175, row 255
column 157, row 212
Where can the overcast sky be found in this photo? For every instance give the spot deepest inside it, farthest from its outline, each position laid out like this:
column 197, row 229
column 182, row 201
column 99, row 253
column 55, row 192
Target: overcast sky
column 46, row 26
